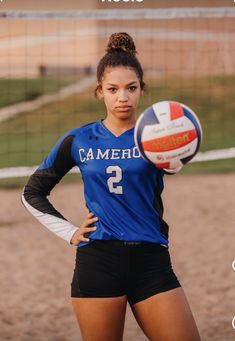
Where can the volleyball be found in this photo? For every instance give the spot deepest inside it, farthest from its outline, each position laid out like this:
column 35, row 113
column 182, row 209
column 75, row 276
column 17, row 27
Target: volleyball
column 168, row 134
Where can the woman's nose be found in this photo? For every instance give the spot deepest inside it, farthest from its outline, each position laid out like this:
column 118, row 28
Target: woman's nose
column 123, row 97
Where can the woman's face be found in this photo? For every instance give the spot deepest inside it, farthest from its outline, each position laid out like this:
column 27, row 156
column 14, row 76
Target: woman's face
column 120, row 90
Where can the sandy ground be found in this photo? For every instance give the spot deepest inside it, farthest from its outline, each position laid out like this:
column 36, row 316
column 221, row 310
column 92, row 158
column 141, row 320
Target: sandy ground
column 36, row 266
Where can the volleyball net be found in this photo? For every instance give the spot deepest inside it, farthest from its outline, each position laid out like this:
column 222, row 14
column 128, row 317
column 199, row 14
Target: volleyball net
column 47, row 74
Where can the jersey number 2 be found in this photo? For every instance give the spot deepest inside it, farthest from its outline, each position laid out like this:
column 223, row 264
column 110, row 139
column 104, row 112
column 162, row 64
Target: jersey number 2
column 115, row 179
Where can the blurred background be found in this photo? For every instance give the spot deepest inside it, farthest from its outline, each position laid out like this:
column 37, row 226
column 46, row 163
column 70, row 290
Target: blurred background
column 48, row 56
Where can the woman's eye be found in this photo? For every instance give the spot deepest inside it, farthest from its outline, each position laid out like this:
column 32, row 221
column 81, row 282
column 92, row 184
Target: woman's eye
column 132, row 88
column 112, row 89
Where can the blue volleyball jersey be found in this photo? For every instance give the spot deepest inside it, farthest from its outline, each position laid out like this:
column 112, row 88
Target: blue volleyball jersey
column 120, row 187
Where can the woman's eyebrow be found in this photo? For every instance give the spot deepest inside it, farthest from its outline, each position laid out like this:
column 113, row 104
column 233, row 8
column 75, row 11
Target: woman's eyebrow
column 134, row 82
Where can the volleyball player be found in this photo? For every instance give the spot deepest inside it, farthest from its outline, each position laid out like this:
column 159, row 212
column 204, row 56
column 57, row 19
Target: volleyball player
column 122, row 245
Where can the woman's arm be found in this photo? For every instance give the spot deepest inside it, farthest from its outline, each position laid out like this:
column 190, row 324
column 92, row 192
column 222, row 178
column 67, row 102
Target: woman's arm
column 40, row 184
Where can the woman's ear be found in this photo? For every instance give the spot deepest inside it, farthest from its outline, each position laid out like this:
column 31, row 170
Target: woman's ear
column 99, row 91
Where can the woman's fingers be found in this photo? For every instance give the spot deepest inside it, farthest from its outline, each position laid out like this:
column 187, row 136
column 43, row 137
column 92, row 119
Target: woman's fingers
column 89, row 222
column 86, row 228
column 90, row 215
column 83, row 239
column 83, row 233
column 80, row 236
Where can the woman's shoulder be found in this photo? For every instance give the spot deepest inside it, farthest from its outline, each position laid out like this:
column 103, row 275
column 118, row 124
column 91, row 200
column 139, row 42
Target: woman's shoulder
column 82, row 129
column 78, row 131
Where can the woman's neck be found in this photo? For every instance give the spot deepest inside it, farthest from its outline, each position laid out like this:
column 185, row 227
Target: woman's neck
column 118, row 126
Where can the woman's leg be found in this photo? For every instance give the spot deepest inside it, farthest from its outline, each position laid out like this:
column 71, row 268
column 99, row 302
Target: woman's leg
column 166, row 317
column 100, row 319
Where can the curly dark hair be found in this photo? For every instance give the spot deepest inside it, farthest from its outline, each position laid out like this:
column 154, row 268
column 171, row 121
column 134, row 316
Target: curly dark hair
column 120, row 51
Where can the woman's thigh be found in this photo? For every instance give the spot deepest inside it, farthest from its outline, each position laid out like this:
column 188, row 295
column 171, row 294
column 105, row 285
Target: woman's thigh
column 166, row 317
column 100, row 319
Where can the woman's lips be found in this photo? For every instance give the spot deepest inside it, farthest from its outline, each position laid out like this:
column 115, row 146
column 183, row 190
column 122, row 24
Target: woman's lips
column 123, row 107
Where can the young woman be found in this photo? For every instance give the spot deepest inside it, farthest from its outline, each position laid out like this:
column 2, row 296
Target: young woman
column 123, row 253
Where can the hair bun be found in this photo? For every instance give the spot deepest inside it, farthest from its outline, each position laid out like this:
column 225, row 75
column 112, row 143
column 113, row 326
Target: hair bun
column 121, row 42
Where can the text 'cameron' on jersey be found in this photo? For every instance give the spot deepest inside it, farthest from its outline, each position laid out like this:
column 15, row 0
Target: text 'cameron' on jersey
column 108, row 154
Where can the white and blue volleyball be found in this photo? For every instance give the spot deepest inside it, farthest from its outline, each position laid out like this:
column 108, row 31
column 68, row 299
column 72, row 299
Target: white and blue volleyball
column 168, row 134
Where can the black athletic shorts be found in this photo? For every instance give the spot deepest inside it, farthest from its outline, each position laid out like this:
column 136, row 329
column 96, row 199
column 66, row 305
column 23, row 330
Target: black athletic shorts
column 107, row 268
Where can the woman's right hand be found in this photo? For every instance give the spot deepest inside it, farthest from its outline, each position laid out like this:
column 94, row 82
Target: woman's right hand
column 86, row 227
